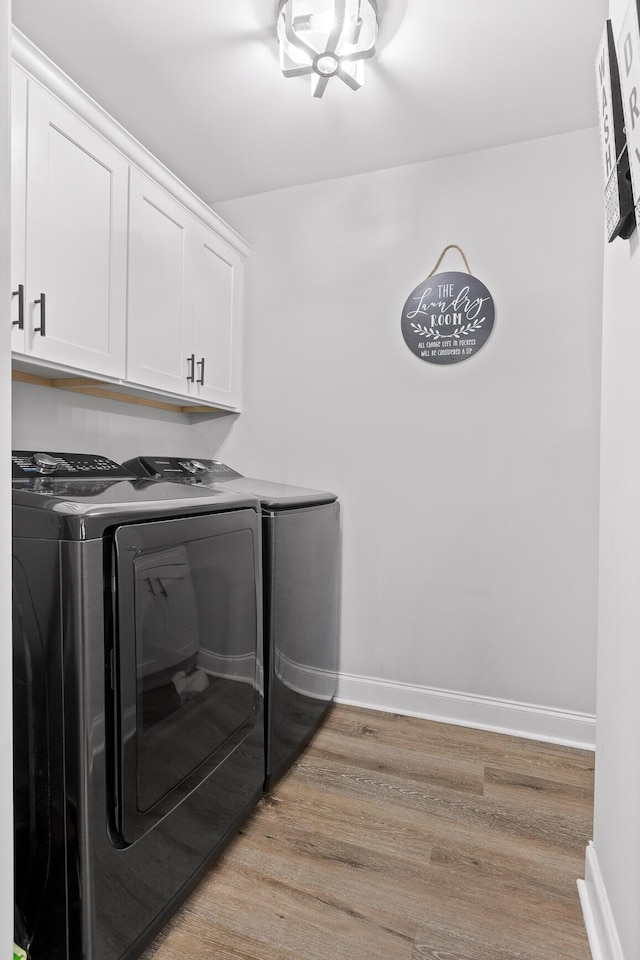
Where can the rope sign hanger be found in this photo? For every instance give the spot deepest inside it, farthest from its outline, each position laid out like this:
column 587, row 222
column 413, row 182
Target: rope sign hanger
column 450, row 246
column 449, row 316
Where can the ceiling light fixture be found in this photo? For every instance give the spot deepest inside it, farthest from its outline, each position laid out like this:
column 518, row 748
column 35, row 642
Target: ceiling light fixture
column 327, row 38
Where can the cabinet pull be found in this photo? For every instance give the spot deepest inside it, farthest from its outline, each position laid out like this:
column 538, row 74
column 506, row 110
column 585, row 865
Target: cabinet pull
column 200, row 379
column 19, row 293
column 43, row 319
column 191, row 361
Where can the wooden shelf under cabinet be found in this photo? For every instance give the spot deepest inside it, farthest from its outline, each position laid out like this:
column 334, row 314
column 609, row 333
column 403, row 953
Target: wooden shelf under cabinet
column 109, row 391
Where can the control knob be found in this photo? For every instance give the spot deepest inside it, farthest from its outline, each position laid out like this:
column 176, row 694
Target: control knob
column 45, row 462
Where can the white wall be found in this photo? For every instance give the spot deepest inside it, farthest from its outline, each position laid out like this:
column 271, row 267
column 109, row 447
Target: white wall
column 6, row 746
column 470, row 492
column 54, row 420
column 613, row 862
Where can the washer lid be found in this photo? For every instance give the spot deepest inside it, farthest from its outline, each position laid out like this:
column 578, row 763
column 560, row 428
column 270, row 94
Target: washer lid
column 279, row 496
column 202, row 472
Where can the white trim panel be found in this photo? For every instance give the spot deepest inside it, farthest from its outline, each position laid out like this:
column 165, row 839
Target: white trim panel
column 596, row 910
column 485, row 713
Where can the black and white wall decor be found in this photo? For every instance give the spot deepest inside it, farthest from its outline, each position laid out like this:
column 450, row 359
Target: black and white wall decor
column 620, row 219
column 449, row 316
column 628, row 49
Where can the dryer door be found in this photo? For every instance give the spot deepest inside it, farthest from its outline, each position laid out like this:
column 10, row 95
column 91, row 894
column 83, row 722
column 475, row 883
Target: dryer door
column 187, row 666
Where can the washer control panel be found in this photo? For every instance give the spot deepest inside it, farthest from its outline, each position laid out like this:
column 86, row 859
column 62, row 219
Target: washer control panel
column 183, row 469
column 26, row 464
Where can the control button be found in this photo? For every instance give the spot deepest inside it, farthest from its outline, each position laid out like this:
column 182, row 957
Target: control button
column 45, row 462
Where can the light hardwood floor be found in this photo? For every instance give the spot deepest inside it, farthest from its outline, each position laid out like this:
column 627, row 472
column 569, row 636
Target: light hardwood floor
column 394, row 838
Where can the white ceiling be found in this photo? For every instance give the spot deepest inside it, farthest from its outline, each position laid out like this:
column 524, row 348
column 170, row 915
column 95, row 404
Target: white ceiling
column 198, row 82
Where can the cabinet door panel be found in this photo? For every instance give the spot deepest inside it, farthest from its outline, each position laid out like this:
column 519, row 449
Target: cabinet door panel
column 76, row 240
column 18, row 199
column 160, row 300
column 217, row 317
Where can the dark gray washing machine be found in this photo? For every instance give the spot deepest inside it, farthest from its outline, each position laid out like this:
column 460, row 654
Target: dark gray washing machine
column 301, row 597
column 137, row 697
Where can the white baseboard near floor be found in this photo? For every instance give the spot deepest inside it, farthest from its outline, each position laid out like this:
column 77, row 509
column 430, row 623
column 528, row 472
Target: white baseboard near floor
column 485, row 713
column 596, row 909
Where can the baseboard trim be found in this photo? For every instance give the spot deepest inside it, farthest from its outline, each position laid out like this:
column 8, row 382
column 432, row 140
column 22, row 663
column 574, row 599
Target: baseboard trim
column 485, row 713
column 604, row 941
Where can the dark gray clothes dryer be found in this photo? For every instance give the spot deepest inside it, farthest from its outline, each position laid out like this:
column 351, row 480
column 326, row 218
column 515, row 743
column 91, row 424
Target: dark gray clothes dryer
column 138, row 696
column 301, row 597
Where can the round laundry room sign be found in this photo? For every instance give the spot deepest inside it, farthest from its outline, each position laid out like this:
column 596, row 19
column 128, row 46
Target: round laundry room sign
column 448, row 318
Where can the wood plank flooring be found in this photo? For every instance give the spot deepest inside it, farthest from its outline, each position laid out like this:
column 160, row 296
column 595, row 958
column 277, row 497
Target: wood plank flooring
column 395, row 838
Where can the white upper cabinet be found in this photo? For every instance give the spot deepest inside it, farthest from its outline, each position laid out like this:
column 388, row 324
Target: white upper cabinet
column 217, row 319
column 160, row 288
column 76, row 228
column 119, row 270
column 18, row 206
column 185, row 306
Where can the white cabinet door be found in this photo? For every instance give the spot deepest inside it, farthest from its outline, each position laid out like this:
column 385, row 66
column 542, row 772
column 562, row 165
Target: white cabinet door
column 160, row 300
column 217, row 318
column 76, row 241
column 184, row 308
column 18, row 205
